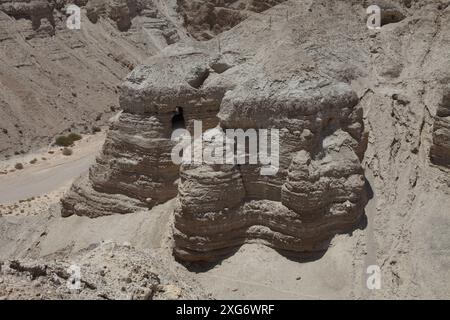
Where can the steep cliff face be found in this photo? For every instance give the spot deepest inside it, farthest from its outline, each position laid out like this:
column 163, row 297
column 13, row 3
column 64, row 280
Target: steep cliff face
column 318, row 189
column 440, row 150
column 136, row 159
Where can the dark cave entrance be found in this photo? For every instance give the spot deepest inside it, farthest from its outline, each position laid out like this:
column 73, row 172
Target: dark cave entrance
column 178, row 119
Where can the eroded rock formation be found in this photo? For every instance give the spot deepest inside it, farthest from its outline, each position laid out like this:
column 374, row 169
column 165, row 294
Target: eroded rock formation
column 286, row 76
column 204, row 19
column 136, row 159
column 317, row 191
column 440, row 150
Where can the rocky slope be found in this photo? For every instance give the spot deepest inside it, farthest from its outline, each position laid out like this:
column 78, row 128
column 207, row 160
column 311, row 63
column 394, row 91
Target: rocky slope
column 110, row 272
column 55, row 80
column 204, row 19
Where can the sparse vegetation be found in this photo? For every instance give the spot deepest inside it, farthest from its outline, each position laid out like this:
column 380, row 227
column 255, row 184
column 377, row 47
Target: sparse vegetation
column 67, row 141
column 75, row 137
column 18, row 166
column 96, row 129
column 67, row 152
column 64, row 141
column 33, row 161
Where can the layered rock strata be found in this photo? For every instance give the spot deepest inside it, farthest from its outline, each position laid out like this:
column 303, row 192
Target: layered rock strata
column 317, row 187
column 136, row 160
column 440, row 150
column 318, row 191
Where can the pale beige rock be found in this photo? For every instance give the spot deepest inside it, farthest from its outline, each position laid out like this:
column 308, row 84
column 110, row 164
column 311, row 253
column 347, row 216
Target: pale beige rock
column 319, row 116
column 110, row 271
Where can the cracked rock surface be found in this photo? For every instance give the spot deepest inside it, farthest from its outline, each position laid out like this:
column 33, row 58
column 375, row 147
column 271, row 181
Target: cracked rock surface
column 110, row 271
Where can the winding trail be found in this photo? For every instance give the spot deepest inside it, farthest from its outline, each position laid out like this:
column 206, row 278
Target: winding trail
column 47, row 176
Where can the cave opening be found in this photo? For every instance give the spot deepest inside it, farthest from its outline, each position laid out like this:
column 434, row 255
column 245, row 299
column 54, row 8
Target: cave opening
column 178, row 121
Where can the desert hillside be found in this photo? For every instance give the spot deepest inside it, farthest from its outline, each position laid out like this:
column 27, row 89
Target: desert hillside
column 362, row 177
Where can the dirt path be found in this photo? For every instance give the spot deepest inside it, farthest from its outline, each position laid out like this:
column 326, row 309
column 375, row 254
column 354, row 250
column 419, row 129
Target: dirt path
column 50, row 174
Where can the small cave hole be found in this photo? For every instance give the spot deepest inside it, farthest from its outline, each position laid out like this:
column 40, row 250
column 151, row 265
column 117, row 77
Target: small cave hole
column 198, row 78
column 178, row 119
column 391, row 15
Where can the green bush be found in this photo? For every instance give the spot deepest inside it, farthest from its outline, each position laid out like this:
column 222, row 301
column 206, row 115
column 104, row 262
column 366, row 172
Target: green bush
column 64, row 141
column 67, row 141
column 74, row 137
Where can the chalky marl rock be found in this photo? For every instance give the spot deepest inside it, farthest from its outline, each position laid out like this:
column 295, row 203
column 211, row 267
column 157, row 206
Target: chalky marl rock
column 136, row 159
column 319, row 187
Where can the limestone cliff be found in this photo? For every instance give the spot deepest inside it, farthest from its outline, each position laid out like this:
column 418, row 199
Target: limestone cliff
column 440, row 150
column 319, row 189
